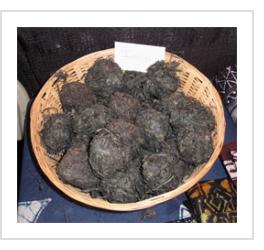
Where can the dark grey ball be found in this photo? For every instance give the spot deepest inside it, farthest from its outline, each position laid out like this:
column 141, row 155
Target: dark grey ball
column 90, row 120
column 195, row 145
column 157, row 171
column 74, row 168
column 120, row 188
column 154, row 123
column 76, row 97
column 124, row 105
column 108, row 154
column 56, row 135
column 104, row 78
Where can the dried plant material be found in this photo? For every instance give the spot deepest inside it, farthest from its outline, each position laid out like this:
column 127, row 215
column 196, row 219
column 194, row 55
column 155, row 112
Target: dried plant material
column 186, row 111
column 134, row 172
column 124, row 105
column 76, row 96
column 183, row 170
column 133, row 76
column 120, row 188
column 159, row 81
column 154, row 123
column 157, row 171
column 57, row 133
column 128, row 134
column 156, row 128
column 168, row 104
column 108, row 154
column 195, row 145
column 125, row 186
column 162, row 79
column 90, row 120
column 104, row 78
column 75, row 169
column 134, row 84
column 170, row 147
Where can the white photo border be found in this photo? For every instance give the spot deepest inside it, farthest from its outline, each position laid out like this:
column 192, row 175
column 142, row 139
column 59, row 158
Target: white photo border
column 243, row 20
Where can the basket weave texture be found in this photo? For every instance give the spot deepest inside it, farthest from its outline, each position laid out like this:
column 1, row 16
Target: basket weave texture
column 193, row 83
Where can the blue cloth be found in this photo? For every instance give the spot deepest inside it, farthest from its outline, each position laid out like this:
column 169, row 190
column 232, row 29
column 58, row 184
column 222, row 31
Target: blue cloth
column 35, row 186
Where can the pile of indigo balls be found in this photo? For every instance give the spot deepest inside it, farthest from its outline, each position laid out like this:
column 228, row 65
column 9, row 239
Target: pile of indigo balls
column 126, row 136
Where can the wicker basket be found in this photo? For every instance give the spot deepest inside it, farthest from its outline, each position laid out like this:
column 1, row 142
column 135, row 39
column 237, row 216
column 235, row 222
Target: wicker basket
column 193, row 83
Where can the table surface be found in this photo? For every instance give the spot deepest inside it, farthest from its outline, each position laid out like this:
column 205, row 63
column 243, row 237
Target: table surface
column 51, row 205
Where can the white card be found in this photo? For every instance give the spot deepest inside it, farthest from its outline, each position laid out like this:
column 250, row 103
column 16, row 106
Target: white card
column 138, row 57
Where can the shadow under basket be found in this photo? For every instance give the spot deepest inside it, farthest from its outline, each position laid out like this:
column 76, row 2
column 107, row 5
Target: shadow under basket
column 193, row 83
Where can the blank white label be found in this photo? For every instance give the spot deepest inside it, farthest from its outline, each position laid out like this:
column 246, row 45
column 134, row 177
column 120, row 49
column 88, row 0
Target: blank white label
column 138, row 57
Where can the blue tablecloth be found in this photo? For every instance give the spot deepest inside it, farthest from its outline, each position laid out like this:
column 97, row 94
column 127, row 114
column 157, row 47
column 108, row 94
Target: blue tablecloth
column 40, row 201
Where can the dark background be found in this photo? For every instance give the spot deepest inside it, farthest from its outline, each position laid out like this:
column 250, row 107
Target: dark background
column 42, row 51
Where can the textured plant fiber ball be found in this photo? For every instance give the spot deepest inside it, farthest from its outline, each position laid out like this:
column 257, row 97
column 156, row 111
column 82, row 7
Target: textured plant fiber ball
column 154, row 123
column 90, row 120
column 162, row 79
column 130, row 75
column 195, row 145
column 186, row 111
column 134, row 172
column 76, row 96
column 108, row 154
column 181, row 169
column 75, row 169
column 104, row 78
column 134, row 84
column 124, row 105
column 169, row 103
column 127, row 133
column 159, row 81
column 120, row 188
column 158, row 173
column 169, row 146
column 56, row 135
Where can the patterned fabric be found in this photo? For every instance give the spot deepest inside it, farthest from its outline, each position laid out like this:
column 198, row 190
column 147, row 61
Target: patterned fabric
column 214, row 201
column 184, row 215
column 226, row 82
column 228, row 156
column 29, row 211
